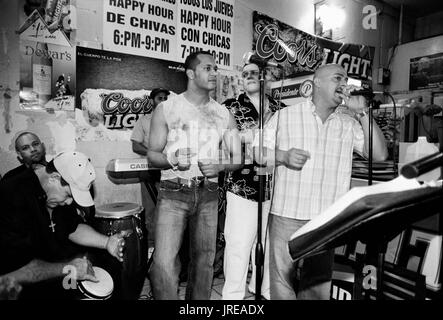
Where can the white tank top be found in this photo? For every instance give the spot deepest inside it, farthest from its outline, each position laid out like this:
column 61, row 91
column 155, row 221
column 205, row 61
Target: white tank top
column 199, row 128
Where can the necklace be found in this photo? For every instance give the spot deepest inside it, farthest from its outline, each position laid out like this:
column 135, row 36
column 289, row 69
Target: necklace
column 52, row 224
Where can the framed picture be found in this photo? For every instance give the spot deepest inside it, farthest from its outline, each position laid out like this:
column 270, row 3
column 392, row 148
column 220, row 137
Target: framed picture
column 320, row 27
column 428, row 260
column 426, row 72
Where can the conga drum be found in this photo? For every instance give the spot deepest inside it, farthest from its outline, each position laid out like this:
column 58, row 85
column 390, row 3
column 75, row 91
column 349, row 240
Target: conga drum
column 128, row 275
column 100, row 290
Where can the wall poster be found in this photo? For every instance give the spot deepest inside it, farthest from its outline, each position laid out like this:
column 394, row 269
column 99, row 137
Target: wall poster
column 47, row 76
column 108, row 102
column 47, row 59
column 170, row 29
column 426, row 72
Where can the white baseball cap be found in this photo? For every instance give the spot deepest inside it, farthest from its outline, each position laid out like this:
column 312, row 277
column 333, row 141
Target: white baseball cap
column 76, row 169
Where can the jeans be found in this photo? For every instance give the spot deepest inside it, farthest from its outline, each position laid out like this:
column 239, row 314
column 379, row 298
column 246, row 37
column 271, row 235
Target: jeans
column 179, row 205
column 315, row 272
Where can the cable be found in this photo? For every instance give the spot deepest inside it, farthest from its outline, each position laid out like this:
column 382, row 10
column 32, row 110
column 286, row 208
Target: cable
column 394, row 134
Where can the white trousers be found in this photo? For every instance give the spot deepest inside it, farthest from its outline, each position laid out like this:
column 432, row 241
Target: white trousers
column 241, row 238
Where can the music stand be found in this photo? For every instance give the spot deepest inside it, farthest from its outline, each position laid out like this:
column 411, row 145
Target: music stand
column 374, row 219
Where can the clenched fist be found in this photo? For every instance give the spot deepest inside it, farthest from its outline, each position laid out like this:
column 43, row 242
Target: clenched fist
column 209, row 168
column 295, row 158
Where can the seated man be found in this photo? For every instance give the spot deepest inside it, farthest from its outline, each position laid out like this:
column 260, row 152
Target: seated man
column 31, row 153
column 39, row 222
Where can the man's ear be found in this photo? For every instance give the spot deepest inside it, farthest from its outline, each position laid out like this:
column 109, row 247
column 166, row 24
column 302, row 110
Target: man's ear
column 19, row 158
column 151, row 102
column 55, row 176
column 190, row 73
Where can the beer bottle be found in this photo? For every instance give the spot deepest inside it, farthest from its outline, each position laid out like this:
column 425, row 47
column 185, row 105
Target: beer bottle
column 42, row 72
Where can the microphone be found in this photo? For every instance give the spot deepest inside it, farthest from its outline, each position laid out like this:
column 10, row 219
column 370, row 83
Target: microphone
column 365, row 93
column 250, row 57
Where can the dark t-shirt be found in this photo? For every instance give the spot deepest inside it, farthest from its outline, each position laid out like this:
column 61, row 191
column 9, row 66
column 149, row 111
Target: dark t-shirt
column 15, row 171
column 24, row 224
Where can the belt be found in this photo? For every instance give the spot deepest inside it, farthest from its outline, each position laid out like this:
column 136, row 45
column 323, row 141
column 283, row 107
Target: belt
column 192, row 182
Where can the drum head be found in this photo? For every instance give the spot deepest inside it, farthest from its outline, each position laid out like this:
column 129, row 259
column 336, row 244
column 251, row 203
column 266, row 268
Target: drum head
column 117, row 210
column 98, row 290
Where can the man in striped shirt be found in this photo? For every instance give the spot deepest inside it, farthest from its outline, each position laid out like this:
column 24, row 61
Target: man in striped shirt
column 311, row 145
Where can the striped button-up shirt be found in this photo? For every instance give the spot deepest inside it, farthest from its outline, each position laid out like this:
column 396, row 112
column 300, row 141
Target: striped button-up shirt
column 326, row 175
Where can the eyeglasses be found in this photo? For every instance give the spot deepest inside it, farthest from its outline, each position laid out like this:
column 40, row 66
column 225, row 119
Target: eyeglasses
column 253, row 73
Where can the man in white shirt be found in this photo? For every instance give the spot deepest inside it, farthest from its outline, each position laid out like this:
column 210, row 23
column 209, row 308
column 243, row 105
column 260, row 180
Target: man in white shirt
column 140, row 133
column 311, row 145
column 186, row 134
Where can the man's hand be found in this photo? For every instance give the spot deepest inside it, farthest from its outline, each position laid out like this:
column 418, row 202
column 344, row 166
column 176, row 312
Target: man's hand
column 84, row 270
column 356, row 104
column 182, row 158
column 9, row 288
column 116, row 244
column 209, row 169
column 295, row 158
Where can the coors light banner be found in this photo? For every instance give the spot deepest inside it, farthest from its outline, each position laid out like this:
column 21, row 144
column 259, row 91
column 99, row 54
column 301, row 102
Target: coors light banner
column 300, row 53
column 113, row 91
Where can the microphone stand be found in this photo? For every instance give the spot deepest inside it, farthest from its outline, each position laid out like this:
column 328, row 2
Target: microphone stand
column 372, row 104
column 259, row 253
column 371, row 128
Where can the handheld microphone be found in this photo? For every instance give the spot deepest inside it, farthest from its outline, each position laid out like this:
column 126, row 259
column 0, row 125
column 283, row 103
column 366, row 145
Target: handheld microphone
column 250, row 57
column 365, row 93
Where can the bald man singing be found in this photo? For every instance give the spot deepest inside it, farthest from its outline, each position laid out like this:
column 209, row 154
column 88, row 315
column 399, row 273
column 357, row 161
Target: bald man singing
column 311, row 145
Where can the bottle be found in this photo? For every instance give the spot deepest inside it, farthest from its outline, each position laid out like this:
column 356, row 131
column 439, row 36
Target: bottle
column 53, row 14
column 418, row 150
column 42, row 73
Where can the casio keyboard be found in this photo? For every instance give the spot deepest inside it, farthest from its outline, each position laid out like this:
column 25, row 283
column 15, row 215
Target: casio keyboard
column 128, row 168
column 133, row 170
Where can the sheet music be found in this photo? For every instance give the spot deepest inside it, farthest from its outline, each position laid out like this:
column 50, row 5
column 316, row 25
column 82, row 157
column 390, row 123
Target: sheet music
column 398, row 184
